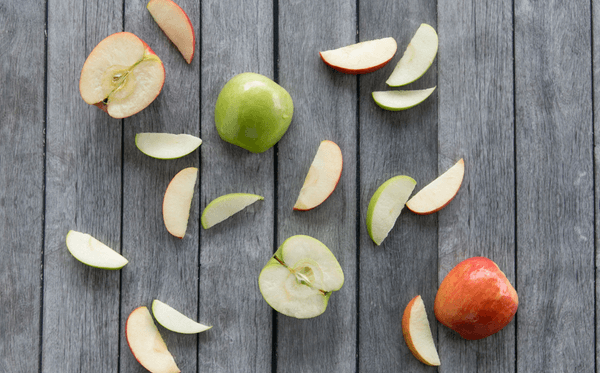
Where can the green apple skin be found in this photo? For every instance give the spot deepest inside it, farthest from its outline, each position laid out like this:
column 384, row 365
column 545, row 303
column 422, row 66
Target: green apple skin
column 253, row 112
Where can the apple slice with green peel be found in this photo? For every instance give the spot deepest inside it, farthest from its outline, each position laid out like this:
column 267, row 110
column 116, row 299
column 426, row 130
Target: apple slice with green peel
column 92, row 252
column 401, row 100
column 417, row 58
column 176, row 24
column 225, row 206
column 417, row 332
column 438, row 194
column 146, row 344
column 386, row 205
column 361, row 58
column 300, row 277
column 322, row 177
column 166, row 145
column 174, row 320
column 178, row 200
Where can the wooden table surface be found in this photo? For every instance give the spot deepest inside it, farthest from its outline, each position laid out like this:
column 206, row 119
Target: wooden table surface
column 515, row 98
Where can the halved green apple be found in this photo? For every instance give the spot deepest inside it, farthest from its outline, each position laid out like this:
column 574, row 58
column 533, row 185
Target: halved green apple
column 92, row 252
column 401, row 100
column 225, row 206
column 166, row 145
column 174, row 320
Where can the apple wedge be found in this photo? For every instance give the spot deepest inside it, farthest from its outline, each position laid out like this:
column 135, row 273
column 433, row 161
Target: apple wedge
column 146, row 344
column 417, row 333
column 300, row 277
column 174, row 320
column 322, row 177
column 92, row 252
column 401, row 100
column 166, row 145
column 121, row 76
column 361, row 58
column 225, row 206
column 178, row 200
column 438, row 194
column 175, row 24
column 386, row 205
column 417, row 58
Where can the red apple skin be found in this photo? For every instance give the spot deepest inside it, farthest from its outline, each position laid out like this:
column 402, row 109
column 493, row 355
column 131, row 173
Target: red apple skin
column 355, row 71
column 406, row 327
column 476, row 299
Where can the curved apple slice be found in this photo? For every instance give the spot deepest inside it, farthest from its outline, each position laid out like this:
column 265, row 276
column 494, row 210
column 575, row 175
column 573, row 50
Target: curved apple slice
column 166, row 145
column 417, row 332
column 92, row 252
column 146, row 344
column 438, row 194
column 322, row 177
column 401, row 100
column 177, row 201
column 174, row 320
column 225, row 206
column 386, row 205
column 176, row 24
column 360, row 58
column 417, row 58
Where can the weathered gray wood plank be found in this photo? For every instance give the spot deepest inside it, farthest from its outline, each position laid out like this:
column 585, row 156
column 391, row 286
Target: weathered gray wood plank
column 555, row 223
column 596, row 113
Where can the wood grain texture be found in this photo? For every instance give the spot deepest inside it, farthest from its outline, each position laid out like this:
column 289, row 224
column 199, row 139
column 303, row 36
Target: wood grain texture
column 555, row 212
column 596, row 112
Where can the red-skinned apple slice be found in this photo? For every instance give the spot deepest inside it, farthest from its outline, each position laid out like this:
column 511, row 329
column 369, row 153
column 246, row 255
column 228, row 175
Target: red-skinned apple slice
column 175, row 24
column 322, row 177
column 146, row 344
column 177, row 201
column 438, row 194
column 122, row 75
column 417, row 332
column 361, row 58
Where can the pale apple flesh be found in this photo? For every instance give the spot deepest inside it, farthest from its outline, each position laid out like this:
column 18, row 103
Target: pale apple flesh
column 174, row 320
column 176, row 24
column 417, row 333
column 223, row 207
column 401, row 100
column 166, row 145
column 361, row 58
column 438, row 194
column 92, row 252
column 178, row 200
column 322, row 177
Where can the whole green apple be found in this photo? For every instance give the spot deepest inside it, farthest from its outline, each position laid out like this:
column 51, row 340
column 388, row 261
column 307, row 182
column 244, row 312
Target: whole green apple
column 253, row 112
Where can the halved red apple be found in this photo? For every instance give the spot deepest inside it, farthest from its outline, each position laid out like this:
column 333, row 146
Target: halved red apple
column 176, row 24
column 122, row 75
column 177, row 201
column 361, row 58
column 417, row 333
column 438, row 194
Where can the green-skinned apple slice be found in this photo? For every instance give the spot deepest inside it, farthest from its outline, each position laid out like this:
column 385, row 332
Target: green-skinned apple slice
column 386, row 205
column 300, row 277
column 417, row 58
column 361, row 58
column 438, row 194
column 174, row 320
column 401, row 100
column 176, row 24
column 166, row 145
column 178, row 200
column 225, row 206
column 92, row 252
column 417, row 333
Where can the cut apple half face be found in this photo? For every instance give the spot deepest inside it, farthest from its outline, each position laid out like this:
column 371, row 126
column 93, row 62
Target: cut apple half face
column 121, row 76
column 299, row 279
column 386, row 205
column 417, row 332
column 322, row 177
column 438, row 194
column 178, row 200
column 401, row 100
column 176, row 24
column 174, row 320
column 92, row 252
column 166, row 145
column 417, row 58
column 361, row 58
column 146, row 344
column 225, row 206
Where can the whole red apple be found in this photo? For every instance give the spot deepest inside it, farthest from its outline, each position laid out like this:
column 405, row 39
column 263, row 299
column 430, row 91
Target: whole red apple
column 475, row 299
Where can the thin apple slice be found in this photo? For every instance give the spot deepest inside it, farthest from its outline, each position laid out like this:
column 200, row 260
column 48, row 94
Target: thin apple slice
column 438, row 194
column 166, row 145
column 146, row 344
column 225, row 206
column 176, row 24
column 178, row 200
column 401, row 100
column 386, row 205
column 361, row 58
column 174, row 320
column 92, row 252
column 417, row 58
column 417, row 332
column 322, row 177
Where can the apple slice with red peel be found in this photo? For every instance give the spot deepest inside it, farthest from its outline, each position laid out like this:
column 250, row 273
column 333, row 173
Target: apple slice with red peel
column 361, row 58
column 176, row 24
column 146, row 344
column 417, row 332
column 401, row 100
column 92, row 252
column 174, row 320
column 178, row 200
column 322, row 177
column 166, row 145
column 438, row 194
column 121, row 76
column 225, row 206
